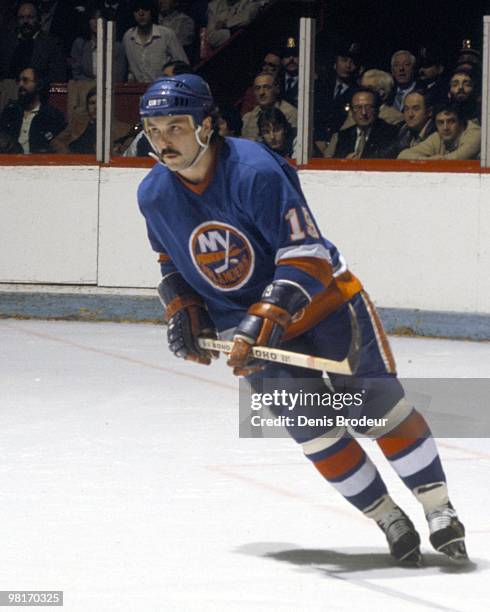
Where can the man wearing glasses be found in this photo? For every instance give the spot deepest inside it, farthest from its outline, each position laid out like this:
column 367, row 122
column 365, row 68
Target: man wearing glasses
column 370, row 137
column 29, row 119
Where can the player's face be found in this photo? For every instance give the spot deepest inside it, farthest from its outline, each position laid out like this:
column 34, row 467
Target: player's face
column 461, row 87
column 174, row 138
column 415, row 111
column 403, row 69
column 449, row 127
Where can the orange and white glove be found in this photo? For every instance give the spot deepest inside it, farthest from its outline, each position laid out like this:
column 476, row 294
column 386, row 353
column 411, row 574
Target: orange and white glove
column 264, row 324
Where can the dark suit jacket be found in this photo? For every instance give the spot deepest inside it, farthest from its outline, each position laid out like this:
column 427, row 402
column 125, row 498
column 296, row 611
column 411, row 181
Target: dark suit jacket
column 47, row 56
column 330, row 113
column 291, row 94
column 47, row 124
column 380, row 145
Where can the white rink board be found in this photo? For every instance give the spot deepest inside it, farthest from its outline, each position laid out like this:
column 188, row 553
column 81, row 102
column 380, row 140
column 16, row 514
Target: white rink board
column 48, row 224
column 125, row 256
column 417, row 240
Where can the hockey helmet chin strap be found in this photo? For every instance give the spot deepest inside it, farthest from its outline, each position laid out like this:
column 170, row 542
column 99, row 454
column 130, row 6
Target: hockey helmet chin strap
column 203, row 147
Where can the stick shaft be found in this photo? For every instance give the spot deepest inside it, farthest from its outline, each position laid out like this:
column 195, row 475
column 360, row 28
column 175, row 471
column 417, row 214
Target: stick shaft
column 280, row 356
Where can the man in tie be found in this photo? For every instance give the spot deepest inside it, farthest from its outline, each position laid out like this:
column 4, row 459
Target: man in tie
column 290, row 65
column 370, row 137
column 332, row 97
column 403, row 70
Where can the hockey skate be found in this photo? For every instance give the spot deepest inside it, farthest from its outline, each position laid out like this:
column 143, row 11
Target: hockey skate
column 447, row 533
column 403, row 539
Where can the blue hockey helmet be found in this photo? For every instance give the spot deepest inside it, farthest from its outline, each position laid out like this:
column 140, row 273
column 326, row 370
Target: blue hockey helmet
column 183, row 94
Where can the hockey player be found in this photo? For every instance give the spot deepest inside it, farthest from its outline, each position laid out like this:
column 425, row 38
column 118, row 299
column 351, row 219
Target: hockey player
column 241, row 254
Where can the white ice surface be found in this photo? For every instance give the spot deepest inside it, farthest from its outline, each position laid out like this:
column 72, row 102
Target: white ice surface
column 123, row 483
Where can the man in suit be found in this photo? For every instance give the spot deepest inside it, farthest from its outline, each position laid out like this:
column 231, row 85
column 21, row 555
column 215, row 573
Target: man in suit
column 332, row 98
column 370, row 137
column 27, row 46
column 403, row 70
column 290, row 65
column 431, row 75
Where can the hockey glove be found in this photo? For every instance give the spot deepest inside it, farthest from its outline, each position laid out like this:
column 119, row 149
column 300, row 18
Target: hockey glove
column 187, row 319
column 264, row 324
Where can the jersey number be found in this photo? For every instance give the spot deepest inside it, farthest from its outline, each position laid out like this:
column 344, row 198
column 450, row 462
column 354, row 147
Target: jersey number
column 297, row 232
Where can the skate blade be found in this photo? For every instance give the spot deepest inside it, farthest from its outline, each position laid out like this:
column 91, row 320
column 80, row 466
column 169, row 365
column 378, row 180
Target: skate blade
column 456, row 551
column 413, row 559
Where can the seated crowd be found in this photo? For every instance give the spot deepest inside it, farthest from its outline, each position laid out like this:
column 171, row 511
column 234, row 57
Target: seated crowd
column 422, row 109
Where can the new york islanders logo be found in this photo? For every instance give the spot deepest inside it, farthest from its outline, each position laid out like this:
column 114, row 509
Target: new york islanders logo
column 222, row 254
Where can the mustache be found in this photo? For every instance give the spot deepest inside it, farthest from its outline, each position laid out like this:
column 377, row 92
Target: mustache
column 169, row 151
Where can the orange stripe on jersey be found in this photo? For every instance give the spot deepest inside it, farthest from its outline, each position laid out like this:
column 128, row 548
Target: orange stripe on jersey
column 340, row 463
column 163, row 258
column 383, row 344
column 341, row 290
column 404, row 435
column 314, row 266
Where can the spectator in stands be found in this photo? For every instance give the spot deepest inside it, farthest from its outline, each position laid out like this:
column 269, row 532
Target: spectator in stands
column 148, row 46
column 332, row 97
column 59, row 19
column 382, row 83
column 431, row 74
column 172, row 17
column 29, row 119
column 463, row 92
column 267, row 94
column 271, row 65
column 469, row 58
column 403, row 70
column 229, row 122
column 84, row 50
column 227, row 16
column 80, row 135
column 455, row 138
column 118, row 11
column 419, row 121
column 370, row 137
column 27, row 46
column 290, row 66
column 275, row 132
column 140, row 147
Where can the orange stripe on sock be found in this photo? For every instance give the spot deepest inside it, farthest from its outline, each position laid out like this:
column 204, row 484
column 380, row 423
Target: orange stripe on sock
column 404, row 435
column 341, row 462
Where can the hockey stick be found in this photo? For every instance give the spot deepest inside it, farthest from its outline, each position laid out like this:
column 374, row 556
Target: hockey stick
column 347, row 366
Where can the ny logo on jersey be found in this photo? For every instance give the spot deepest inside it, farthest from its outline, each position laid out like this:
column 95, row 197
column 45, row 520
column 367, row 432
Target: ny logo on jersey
column 222, row 254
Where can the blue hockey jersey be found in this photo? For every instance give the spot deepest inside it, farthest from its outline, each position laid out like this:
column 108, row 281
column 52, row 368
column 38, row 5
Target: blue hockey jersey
column 248, row 225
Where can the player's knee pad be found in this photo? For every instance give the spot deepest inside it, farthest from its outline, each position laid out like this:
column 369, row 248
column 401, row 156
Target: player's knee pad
column 391, row 419
column 321, row 443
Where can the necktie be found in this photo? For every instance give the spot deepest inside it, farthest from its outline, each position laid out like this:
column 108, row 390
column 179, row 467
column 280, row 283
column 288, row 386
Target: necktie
column 338, row 91
column 361, row 143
